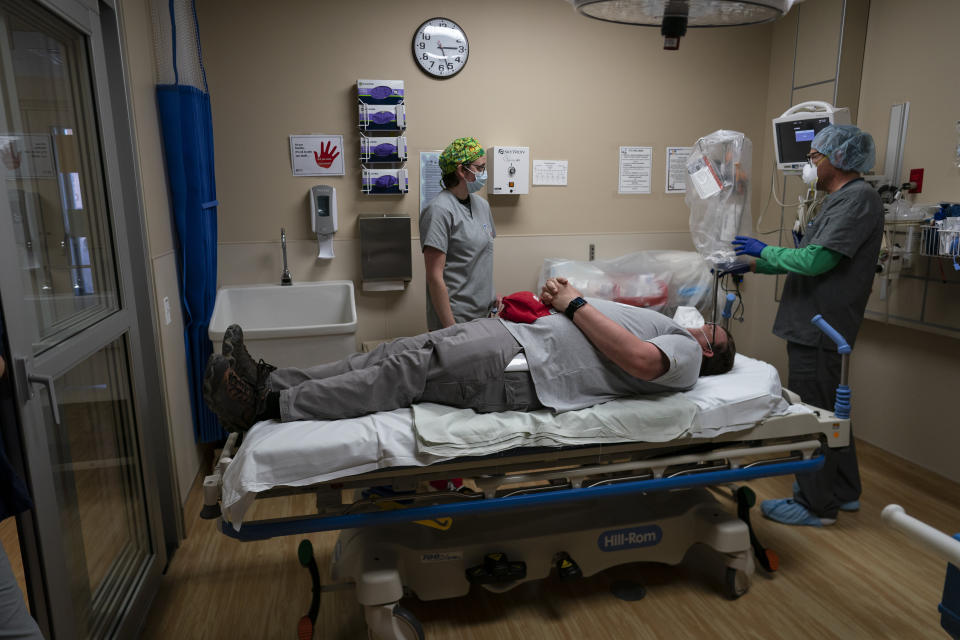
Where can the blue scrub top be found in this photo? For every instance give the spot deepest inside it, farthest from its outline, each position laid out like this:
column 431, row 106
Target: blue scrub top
column 14, row 496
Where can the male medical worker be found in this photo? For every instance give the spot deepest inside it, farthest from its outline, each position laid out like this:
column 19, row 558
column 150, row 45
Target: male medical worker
column 830, row 273
column 591, row 352
column 456, row 236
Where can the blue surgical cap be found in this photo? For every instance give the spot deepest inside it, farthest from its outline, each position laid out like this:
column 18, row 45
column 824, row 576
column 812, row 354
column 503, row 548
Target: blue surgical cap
column 846, row 147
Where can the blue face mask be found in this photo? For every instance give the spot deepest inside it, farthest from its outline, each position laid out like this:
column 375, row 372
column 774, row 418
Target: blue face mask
column 479, row 182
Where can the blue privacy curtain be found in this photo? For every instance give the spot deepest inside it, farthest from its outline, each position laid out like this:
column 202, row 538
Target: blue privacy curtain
column 187, row 129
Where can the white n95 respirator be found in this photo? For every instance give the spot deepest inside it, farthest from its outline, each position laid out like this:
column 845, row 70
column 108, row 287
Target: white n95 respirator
column 809, row 173
column 688, row 318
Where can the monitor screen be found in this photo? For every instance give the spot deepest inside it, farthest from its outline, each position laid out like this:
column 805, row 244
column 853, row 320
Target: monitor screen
column 794, row 137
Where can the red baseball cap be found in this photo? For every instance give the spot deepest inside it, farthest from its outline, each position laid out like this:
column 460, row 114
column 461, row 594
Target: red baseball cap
column 524, row 307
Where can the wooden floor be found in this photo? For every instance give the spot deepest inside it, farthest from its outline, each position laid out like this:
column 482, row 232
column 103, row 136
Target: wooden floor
column 856, row 579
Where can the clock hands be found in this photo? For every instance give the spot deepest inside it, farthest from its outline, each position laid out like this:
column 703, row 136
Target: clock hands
column 440, row 47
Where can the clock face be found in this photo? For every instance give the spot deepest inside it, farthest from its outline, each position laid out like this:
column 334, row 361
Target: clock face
column 440, row 47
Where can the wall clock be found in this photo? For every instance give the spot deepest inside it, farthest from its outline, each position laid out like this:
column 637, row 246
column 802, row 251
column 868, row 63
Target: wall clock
column 440, row 47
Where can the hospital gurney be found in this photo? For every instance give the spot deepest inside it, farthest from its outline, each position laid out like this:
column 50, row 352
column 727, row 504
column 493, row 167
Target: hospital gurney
column 522, row 514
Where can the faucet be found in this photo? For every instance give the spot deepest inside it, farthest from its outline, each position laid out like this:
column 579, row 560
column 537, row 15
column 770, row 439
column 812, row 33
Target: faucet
column 285, row 278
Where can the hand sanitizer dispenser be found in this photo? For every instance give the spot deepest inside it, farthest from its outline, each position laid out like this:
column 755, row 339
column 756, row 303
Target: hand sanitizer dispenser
column 323, row 217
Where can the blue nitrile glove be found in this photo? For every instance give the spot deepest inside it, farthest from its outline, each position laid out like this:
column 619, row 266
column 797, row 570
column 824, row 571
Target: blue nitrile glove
column 748, row 245
column 732, row 267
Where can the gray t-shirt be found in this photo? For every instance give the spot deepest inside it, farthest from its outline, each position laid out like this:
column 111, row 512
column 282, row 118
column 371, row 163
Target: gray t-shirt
column 850, row 222
column 570, row 373
column 466, row 235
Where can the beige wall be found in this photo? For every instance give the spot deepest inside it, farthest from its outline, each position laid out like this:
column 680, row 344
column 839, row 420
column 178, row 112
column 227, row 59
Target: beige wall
column 907, row 377
column 754, row 337
column 138, row 44
column 916, row 64
column 539, row 75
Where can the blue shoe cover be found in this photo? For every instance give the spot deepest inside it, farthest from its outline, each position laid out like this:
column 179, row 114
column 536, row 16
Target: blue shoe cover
column 853, row 505
column 789, row 511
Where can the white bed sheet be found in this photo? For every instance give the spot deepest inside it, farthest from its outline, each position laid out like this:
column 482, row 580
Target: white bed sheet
column 311, row 451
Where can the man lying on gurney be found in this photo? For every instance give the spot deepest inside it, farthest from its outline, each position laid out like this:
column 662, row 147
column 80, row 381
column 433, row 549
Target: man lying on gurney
column 592, row 352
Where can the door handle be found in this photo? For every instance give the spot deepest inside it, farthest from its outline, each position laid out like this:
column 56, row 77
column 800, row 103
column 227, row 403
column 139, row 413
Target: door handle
column 47, row 381
column 20, row 364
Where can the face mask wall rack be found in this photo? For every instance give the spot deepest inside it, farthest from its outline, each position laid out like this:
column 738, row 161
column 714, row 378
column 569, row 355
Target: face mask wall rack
column 382, row 121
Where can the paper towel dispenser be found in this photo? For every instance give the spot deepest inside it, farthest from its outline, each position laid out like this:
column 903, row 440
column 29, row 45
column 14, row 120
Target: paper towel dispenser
column 385, row 255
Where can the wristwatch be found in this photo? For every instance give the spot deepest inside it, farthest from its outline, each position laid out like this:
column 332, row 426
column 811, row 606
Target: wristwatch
column 575, row 304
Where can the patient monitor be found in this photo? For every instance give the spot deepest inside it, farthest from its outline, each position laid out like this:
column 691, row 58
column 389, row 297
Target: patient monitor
column 323, row 209
column 795, row 129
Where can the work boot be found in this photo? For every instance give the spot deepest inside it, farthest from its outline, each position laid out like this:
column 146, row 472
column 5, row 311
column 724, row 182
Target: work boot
column 236, row 401
column 235, row 351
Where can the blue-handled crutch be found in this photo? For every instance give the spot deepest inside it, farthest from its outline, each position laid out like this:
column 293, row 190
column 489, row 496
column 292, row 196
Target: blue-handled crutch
column 728, row 305
column 842, row 406
column 728, row 311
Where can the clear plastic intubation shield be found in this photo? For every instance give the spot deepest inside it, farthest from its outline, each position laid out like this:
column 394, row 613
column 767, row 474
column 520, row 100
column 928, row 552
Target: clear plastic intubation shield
column 718, row 194
column 658, row 280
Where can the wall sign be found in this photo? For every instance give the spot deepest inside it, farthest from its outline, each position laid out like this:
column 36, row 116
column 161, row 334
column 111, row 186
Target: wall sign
column 316, row 155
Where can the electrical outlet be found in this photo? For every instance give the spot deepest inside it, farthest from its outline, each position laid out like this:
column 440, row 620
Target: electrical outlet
column 916, row 176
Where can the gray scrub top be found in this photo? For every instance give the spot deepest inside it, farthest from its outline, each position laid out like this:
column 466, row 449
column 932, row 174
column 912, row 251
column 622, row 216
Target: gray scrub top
column 570, row 373
column 850, row 222
column 466, row 236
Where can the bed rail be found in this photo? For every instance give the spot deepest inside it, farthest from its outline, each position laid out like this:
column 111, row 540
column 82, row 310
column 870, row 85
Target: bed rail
column 211, row 483
column 932, row 539
column 264, row 529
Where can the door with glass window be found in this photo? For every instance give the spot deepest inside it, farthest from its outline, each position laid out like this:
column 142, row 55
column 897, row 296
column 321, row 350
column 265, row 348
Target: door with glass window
column 95, row 549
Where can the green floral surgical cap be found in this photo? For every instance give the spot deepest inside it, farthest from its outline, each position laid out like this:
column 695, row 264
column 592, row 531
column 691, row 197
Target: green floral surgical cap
column 460, row 151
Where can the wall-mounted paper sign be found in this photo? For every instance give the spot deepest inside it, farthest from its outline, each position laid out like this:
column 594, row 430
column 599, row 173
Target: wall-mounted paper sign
column 27, row 155
column 677, row 169
column 636, row 164
column 550, row 172
column 316, row 155
column 430, row 176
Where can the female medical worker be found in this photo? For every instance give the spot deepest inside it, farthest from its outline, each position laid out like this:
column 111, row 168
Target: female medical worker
column 456, row 235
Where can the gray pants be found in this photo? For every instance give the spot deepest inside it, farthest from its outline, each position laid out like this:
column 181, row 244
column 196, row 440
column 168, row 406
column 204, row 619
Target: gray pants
column 814, row 373
column 462, row 366
column 15, row 620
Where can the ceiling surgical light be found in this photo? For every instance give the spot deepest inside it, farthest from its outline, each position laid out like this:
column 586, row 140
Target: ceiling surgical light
column 675, row 16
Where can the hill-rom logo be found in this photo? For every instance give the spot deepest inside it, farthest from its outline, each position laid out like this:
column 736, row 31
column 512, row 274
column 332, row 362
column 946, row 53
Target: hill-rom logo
column 620, row 539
